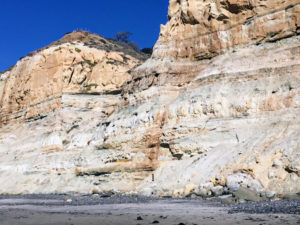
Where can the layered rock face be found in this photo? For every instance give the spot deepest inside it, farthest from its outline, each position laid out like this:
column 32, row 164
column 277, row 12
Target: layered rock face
column 200, row 30
column 216, row 107
column 53, row 104
column 79, row 63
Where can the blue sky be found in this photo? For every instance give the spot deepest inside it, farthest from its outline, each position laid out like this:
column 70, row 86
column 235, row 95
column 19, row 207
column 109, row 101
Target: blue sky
column 27, row 25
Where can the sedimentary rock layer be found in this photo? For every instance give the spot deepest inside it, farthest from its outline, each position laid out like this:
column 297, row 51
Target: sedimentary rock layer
column 79, row 63
column 200, row 30
column 216, row 107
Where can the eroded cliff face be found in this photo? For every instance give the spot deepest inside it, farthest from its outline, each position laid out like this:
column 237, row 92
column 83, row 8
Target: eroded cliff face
column 215, row 107
column 79, row 63
column 200, row 30
column 53, row 105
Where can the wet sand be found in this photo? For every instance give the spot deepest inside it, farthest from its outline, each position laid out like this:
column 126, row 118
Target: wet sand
column 123, row 210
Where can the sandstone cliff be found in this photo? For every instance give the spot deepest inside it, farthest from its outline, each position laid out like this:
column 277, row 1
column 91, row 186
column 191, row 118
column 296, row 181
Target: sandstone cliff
column 79, row 63
column 215, row 107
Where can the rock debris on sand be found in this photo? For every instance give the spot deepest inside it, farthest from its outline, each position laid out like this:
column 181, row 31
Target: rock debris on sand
column 125, row 210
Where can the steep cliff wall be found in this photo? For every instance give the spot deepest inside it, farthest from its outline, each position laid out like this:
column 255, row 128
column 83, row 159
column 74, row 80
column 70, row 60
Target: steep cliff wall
column 79, row 63
column 200, row 30
column 224, row 82
column 53, row 104
column 215, row 107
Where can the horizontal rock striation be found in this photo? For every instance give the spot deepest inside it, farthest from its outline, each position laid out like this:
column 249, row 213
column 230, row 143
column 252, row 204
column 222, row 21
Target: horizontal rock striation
column 235, row 118
column 213, row 110
column 225, row 75
column 53, row 105
column 79, row 63
column 200, row 30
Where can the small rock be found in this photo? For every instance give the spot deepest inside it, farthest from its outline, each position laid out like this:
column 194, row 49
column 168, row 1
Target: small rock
column 96, row 191
column 243, row 180
column 220, row 180
column 139, row 218
column 202, row 192
column 133, row 193
column 276, row 163
column 192, row 195
column 178, row 193
column 164, row 195
column 227, row 199
column 242, row 201
column 226, row 190
column 205, row 189
column 225, row 196
column 247, row 194
column 270, row 194
column 217, row 190
column 147, row 191
column 154, row 190
column 107, row 194
column 292, row 196
column 69, row 200
column 233, row 187
column 208, row 186
column 263, row 196
column 189, row 188
column 155, row 221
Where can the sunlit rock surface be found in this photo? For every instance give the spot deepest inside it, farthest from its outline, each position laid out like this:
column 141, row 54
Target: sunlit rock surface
column 217, row 105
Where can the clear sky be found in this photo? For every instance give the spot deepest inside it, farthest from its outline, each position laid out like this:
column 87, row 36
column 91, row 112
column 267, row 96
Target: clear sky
column 27, row 25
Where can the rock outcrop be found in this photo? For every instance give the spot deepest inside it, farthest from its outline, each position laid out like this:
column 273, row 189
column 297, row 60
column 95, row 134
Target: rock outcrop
column 214, row 109
column 53, row 106
column 79, row 63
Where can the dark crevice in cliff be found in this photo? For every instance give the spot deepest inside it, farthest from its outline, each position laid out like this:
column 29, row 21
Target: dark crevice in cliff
column 273, row 35
column 188, row 19
column 71, row 76
column 178, row 156
column 236, row 8
column 114, row 92
column 39, row 117
column 93, row 173
column 165, row 145
column 106, row 124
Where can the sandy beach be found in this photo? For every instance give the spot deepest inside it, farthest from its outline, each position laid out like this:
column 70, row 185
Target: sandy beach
column 123, row 210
